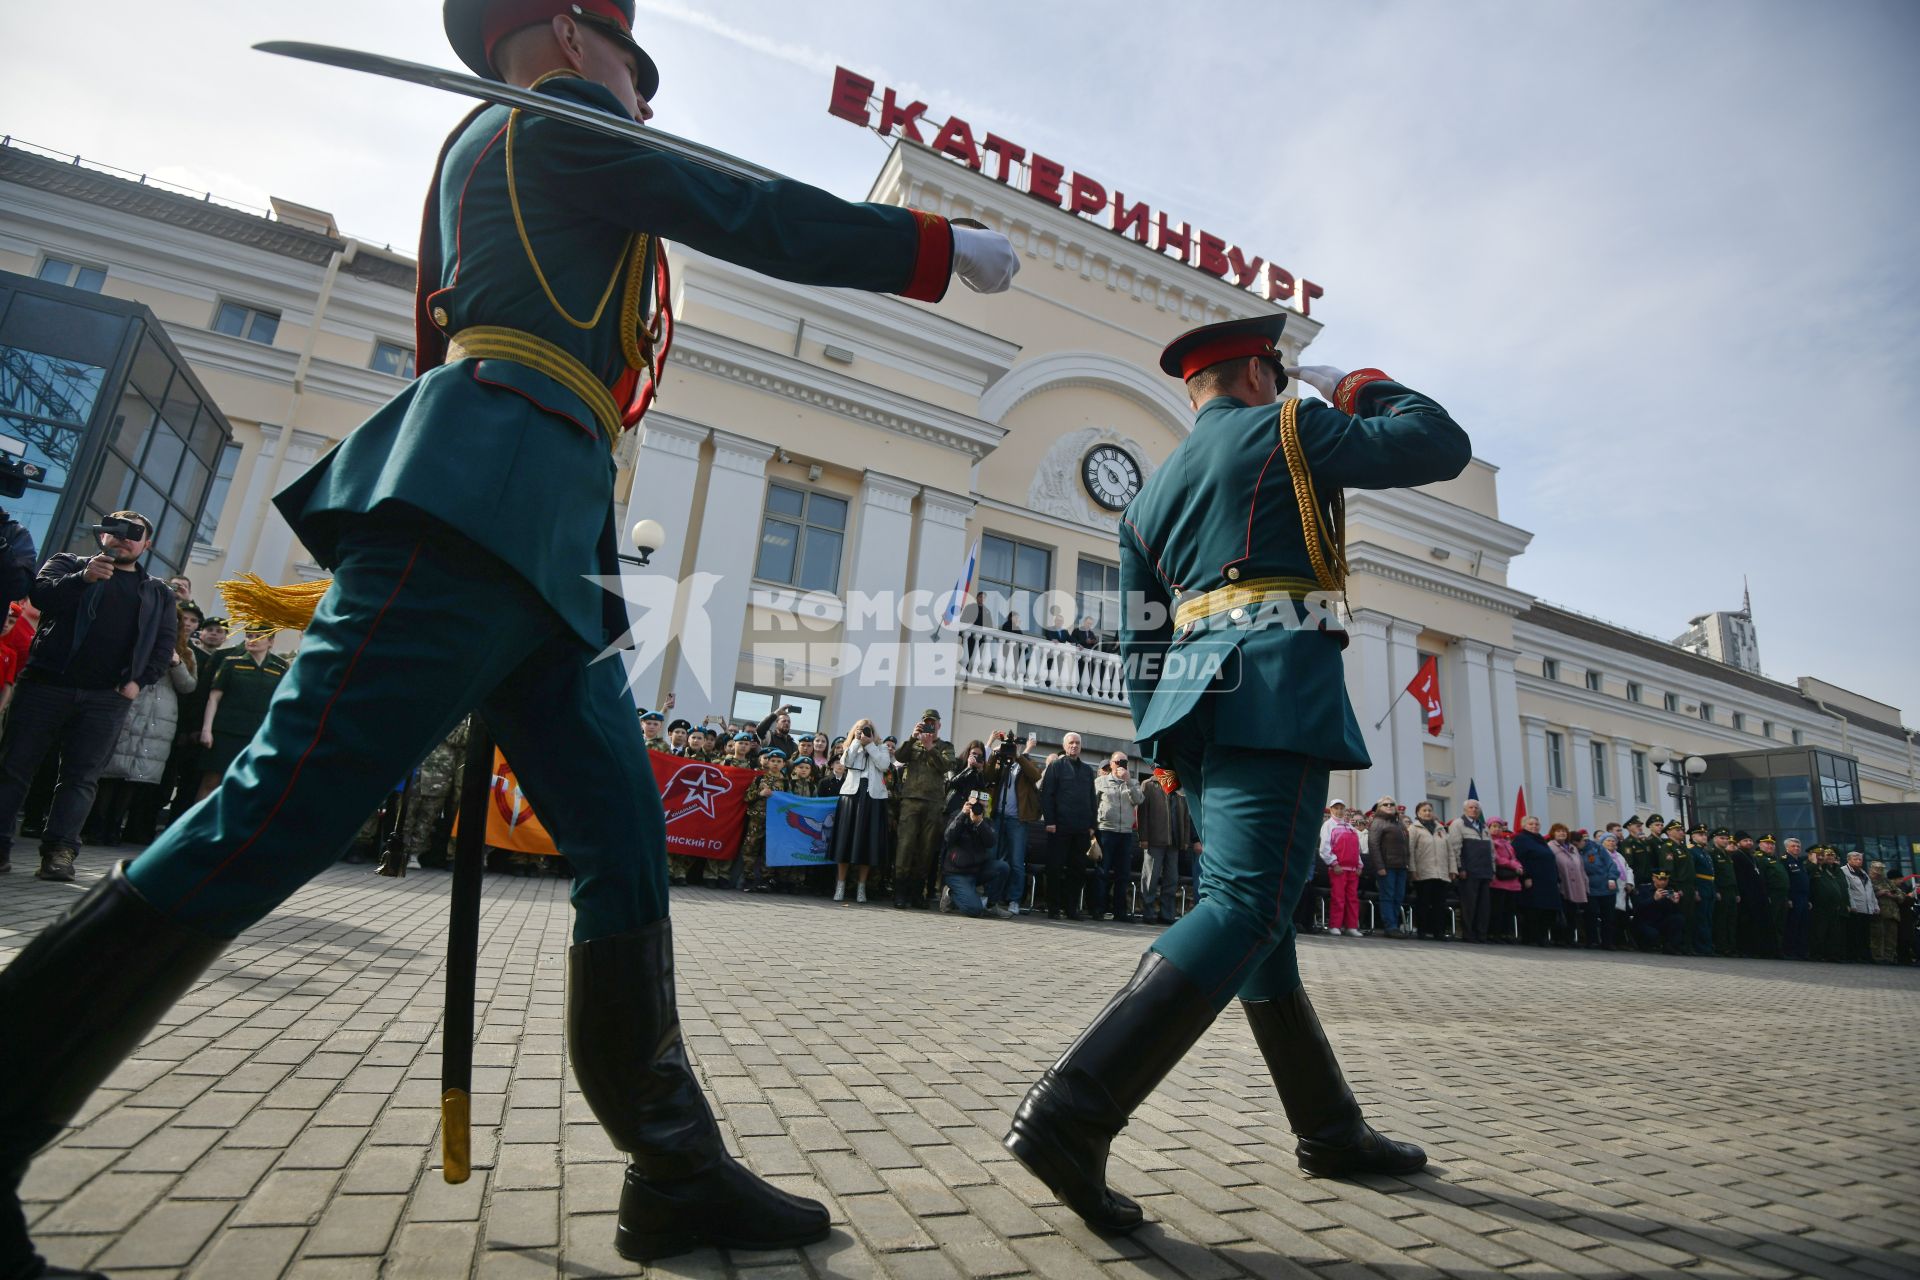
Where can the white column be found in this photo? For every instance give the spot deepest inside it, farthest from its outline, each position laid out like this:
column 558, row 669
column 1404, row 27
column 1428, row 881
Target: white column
column 940, row 549
column 275, row 544
column 666, row 475
column 1509, row 744
column 1623, row 778
column 253, row 504
column 876, row 588
column 1409, row 722
column 714, row 617
column 1535, row 728
column 1580, row 747
column 1471, row 719
column 1369, row 688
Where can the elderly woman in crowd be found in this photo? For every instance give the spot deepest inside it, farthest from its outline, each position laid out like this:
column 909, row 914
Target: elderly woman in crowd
column 1572, row 876
column 1618, row 927
column 1862, row 907
column 1506, row 890
column 1430, row 865
column 1602, row 882
column 1540, row 878
column 1471, row 855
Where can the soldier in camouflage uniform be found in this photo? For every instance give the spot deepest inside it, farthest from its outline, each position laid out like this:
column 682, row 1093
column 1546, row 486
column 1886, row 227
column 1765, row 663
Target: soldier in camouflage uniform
column 923, row 798
column 750, row 868
column 424, row 839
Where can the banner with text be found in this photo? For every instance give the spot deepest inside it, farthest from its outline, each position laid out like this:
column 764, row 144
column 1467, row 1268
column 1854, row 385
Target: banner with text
column 706, row 805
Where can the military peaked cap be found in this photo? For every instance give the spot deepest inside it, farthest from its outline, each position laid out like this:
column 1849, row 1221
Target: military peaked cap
column 1208, row 345
column 476, row 27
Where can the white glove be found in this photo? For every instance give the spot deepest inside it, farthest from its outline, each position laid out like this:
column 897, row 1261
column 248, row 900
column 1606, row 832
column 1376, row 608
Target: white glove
column 984, row 259
column 1323, row 378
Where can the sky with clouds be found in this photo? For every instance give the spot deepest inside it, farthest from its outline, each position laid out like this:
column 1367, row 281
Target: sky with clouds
column 1660, row 258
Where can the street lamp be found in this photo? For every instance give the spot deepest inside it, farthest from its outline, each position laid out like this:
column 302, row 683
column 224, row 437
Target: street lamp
column 1683, row 771
column 648, row 537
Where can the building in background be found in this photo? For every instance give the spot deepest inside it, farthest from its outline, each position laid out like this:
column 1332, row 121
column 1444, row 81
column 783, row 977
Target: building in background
column 1726, row 636
column 814, row 451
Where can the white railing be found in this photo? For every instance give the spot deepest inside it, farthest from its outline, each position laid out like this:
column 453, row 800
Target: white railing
column 1028, row 664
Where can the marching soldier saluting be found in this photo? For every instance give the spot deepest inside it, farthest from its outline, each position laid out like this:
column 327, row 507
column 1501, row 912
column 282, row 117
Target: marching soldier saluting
column 475, row 505
column 1241, row 525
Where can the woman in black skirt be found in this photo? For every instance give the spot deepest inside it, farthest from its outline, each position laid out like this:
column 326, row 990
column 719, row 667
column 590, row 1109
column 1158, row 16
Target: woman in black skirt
column 860, row 818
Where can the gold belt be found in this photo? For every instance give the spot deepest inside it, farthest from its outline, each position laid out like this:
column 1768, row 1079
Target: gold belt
column 492, row 342
column 1242, row 595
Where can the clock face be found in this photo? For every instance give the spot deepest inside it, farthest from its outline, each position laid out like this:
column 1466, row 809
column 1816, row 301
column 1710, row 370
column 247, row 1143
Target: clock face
column 1111, row 475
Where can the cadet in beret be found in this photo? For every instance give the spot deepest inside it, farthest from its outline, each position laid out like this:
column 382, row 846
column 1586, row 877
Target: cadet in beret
column 1229, row 556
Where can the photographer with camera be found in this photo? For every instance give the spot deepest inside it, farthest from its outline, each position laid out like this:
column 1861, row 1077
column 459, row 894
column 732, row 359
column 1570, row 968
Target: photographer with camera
column 860, row 816
column 777, row 731
column 1013, row 780
column 107, row 631
column 974, row 877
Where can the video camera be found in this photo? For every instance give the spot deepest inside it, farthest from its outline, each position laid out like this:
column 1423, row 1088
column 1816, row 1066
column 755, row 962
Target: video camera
column 125, row 530
column 15, row 471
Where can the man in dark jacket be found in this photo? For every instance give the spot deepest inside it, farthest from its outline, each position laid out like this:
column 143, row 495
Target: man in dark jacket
column 1388, row 854
column 972, row 874
column 106, row 632
column 1068, row 808
column 777, row 731
column 16, row 560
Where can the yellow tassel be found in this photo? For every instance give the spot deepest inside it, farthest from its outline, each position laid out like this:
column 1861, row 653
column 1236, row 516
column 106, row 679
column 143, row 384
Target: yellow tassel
column 252, row 601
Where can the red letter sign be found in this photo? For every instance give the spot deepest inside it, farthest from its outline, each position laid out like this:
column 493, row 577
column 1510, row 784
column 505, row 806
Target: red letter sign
column 1043, row 178
column 1008, row 153
column 1088, row 195
column 892, row 113
column 956, row 139
column 850, row 94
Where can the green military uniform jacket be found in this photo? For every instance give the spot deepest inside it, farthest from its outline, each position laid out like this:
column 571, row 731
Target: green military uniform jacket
column 1222, row 510
column 508, row 456
column 925, row 776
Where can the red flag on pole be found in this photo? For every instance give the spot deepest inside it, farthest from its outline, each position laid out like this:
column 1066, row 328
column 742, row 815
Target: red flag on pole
column 1519, row 808
column 1425, row 688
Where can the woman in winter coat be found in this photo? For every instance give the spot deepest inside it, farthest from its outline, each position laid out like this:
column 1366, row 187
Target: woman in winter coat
column 1431, row 866
column 1505, row 891
column 128, row 800
column 1573, row 883
column 860, row 819
column 1618, row 923
column 1540, row 879
column 1472, row 855
column 1602, row 883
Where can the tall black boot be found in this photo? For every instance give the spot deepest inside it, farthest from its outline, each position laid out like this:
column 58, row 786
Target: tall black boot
column 74, row 1004
column 682, row 1188
column 1067, row 1121
column 1335, row 1141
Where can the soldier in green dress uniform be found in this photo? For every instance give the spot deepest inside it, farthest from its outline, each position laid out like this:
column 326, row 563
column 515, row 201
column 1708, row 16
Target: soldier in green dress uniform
column 1703, row 875
column 1726, row 894
column 1229, row 558
column 1640, row 852
column 1829, row 893
column 472, row 515
column 1773, row 874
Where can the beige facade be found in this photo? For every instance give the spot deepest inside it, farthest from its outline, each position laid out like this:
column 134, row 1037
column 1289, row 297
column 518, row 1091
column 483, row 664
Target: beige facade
column 911, row 434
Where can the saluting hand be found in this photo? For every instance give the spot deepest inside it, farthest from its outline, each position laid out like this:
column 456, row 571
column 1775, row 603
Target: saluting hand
column 1323, row 378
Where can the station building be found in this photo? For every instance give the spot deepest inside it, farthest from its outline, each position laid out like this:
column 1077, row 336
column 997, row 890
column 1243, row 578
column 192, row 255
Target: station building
column 813, row 451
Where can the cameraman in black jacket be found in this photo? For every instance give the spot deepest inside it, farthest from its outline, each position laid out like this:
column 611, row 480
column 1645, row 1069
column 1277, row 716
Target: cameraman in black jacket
column 967, row 863
column 107, row 631
column 17, row 559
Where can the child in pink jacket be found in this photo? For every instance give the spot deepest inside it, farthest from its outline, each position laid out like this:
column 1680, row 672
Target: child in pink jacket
column 1343, row 862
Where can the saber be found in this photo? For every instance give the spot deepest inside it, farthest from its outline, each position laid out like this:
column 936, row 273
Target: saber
column 507, row 95
column 463, row 944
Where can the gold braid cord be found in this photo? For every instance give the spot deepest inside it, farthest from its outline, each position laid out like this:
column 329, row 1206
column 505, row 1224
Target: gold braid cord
column 253, row 601
column 1326, row 547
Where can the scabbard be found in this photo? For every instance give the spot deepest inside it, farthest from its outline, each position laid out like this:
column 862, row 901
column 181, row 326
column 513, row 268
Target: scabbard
column 463, row 944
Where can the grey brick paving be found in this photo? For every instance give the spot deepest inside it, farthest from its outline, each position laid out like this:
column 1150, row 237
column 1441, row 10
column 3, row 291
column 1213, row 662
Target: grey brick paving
column 1587, row 1115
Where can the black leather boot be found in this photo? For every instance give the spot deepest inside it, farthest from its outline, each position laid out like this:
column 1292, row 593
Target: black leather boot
column 1067, row 1121
column 1335, row 1141
column 682, row 1189
column 76, row 1002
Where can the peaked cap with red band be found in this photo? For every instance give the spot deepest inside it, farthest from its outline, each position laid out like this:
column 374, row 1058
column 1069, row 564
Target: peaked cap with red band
column 1208, row 345
column 475, row 27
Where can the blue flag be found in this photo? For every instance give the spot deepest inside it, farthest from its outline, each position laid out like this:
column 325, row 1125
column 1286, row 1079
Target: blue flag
column 799, row 830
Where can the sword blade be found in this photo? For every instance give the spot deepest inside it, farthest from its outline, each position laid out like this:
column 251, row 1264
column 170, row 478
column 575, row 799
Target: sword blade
column 507, row 95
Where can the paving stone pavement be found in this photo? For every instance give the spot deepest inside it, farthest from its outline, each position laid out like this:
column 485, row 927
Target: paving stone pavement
column 1591, row 1115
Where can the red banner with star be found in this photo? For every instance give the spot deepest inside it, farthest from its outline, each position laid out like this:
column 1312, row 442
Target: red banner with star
column 706, row 807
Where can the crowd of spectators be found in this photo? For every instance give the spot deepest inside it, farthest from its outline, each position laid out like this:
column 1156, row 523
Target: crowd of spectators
column 123, row 701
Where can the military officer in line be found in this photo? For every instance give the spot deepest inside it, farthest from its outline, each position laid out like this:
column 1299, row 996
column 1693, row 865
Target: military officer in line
column 1799, row 871
column 1677, row 862
column 1773, row 878
column 1702, row 869
column 1829, row 892
column 1230, row 555
column 474, row 514
column 927, row 759
column 1726, row 894
column 1637, row 849
column 1656, row 916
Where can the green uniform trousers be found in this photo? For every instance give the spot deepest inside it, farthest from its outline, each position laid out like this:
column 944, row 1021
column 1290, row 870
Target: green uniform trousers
column 1725, row 913
column 419, row 628
column 1258, row 817
column 922, row 825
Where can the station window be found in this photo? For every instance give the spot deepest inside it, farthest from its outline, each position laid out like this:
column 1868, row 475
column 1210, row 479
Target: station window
column 1556, row 762
column 1739, row 721
column 1098, row 598
column 240, row 321
column 1012, row 575
column 802, row 537
column 393, row 359
column 1549, row 668
column 73, row 274
column 1633, row 691
column 1706, row 712
column 1639, row 777
column 1600, row 787
column 1671, row 702
column 217, row 492
column 1594, row 681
